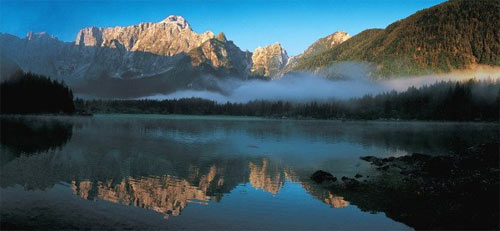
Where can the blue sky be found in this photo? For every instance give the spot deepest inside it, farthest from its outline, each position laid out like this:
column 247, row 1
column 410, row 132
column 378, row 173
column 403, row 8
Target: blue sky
column 250, row 24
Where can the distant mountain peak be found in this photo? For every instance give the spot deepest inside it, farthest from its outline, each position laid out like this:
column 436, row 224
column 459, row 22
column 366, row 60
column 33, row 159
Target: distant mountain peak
column 326, row 43
column 171, row 36
column 39, row 35
column 269, row 60
column 338, row 37
column 277, row 44
column 176, row 19
column 321, row 45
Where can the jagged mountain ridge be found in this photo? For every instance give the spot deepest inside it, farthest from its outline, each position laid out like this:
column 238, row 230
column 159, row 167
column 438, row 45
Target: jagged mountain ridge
column 169, row 37
column 130, row 61
column 135, row 51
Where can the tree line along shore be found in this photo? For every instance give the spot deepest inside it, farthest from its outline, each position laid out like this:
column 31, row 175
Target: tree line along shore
column 471, row 100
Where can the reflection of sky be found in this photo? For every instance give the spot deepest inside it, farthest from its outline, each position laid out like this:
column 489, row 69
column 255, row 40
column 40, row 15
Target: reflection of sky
column 290, row 145
column 333, row 146
column 339, row 154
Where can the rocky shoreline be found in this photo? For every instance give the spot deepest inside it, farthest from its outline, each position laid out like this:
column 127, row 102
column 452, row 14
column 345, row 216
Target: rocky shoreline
column 458, row 191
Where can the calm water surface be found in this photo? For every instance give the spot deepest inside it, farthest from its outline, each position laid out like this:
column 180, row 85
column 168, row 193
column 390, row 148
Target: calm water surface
column 191, row 172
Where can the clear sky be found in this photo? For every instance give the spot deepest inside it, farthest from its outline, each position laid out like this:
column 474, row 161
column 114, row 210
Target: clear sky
column 250, row 24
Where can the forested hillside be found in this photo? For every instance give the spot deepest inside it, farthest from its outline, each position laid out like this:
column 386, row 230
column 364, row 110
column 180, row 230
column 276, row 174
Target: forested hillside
column 453, row 35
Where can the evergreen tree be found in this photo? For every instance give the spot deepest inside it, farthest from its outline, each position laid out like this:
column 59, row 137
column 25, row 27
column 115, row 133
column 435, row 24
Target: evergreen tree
column 28, row 93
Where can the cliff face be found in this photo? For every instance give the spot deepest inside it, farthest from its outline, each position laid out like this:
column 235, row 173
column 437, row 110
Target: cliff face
column 171, row 36
column 268, row 61
column 173, row 41
column 221, row 53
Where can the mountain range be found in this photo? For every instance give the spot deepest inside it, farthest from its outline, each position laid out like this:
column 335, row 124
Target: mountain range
column 151, row 58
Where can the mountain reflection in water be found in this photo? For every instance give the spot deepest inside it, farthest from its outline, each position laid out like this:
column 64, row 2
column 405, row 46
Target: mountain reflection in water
column 266, row 177
column 169, row 195
column 210, row 167
column 166, row 195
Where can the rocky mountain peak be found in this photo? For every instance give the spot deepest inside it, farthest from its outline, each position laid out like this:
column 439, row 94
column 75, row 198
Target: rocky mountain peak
column 176, row 20
column 274, row 49
column 221, row 37
column 39, row 36
column 89, row 36
column 327, row 42
column 318, row 47
column 169, row 37
column 337, row 37
column 269, row 60
column 277, row 45
column 222, row 54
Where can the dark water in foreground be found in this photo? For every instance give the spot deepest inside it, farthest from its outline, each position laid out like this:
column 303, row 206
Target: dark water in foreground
column 188, row 172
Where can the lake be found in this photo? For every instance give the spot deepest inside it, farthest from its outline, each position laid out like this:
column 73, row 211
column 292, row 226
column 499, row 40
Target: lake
column 202, row 172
